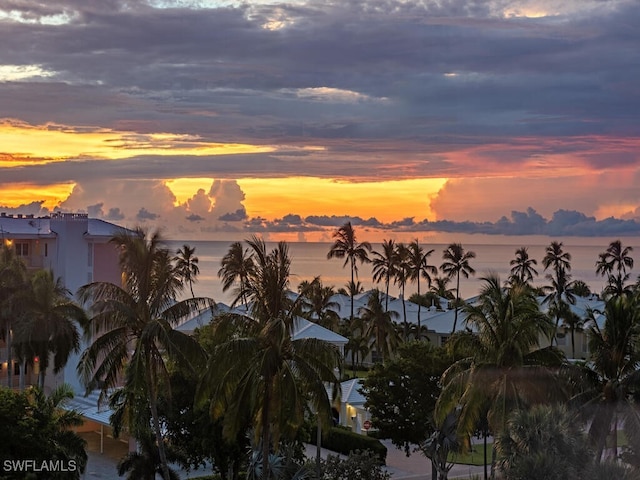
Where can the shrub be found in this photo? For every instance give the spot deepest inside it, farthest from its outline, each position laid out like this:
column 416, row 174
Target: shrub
column 344, row 441
column 359, row 465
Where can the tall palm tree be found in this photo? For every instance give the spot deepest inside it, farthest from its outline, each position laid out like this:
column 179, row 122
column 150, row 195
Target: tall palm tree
column 401, row 278
column 235, row 269
column 456, row 263
column 51, row 324
column 556, row 258
column 13, row 282
column 319, row 304
column 187, row 265
column 615, row 259
column 522, row 266
column 257, row 368
column 132, row 328
column 559, row 297
column 379, row 325
column 418, row 267
column 501, row 363
column 384, row 264
column 347, row 246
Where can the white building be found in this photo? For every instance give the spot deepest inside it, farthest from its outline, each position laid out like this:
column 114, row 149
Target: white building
column 77, row 249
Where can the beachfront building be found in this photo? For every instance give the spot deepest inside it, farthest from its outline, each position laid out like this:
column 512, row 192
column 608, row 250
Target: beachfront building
column 75, row 248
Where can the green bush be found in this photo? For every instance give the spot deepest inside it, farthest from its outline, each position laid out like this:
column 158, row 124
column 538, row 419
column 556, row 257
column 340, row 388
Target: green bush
column 344, row 441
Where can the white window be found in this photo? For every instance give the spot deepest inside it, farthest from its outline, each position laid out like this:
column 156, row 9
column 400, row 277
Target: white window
column 22, row 249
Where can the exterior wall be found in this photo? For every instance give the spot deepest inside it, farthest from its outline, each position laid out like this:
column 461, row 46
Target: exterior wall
column 105, row 263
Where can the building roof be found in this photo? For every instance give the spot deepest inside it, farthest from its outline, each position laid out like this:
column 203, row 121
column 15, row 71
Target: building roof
column 29, row 226
column 88, row 407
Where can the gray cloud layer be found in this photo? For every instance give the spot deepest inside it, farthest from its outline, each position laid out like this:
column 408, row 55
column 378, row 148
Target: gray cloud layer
column 391, row 89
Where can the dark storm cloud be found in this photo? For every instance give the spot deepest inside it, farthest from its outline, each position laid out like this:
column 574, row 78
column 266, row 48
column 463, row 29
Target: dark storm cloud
column 219, row 72
column 144, row 214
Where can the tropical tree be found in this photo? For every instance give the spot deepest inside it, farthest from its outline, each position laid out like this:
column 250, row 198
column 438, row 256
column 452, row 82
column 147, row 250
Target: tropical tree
column 358, row 344
column 318, row 303
column 379, row 325
column 257, row 368
column 51, row 323
column 544, row 442
column 609, row 382
column 613, row 264
column 456, row 263
column 501, row 365
column 187, row 265
column 347, row 246
column 522, row 266
column 38, row 427
column 440, row 287
column 132, row 329
column 13, row 281
column 384, row 265
column 235, row 269
column 401, row 394
column 556, row 258
column 401, row 277
column 581, row 288
column 419, row 268
column 559, row 298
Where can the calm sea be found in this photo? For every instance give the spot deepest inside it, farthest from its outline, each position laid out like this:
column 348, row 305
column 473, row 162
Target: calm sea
column 493, row 253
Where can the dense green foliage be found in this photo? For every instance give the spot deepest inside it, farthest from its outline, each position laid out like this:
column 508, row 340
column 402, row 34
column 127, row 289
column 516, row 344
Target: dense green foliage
column 402, row 393
column 36, row 429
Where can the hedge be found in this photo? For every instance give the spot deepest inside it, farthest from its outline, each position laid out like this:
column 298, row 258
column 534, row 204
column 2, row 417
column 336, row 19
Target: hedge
column 344, row 441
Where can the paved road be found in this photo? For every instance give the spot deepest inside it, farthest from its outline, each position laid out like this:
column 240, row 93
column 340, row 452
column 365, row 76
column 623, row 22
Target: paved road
column 401, row 467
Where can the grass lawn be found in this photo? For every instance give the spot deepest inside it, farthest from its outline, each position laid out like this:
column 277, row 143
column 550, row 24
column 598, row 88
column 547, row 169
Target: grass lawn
column 474, row 457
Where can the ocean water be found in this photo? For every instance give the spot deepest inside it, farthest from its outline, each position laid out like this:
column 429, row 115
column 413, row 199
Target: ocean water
column 493, row 254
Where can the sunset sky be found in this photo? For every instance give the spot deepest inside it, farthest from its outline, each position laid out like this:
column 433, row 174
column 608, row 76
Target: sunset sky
column 213, row 119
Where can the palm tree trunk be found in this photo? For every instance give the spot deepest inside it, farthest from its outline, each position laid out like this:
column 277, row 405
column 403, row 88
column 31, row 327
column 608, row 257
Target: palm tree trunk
column 153, row 406
column 573, row 343
column 404, row 314
column 386, row 298
column 353, row 285
column 485, row 454
column 419, row 334
column 266, row 474
column 455, row 315
column 9, row 359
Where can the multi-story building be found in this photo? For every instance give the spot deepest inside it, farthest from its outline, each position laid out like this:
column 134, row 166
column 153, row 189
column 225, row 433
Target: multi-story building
column 77, row 249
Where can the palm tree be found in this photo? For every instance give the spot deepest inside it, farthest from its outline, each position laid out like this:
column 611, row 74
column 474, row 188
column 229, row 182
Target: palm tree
column 615, row 258
column 51, row 324
column 610, row 379
column 440, row 288
column 56, row 424
column 13, row 281
column 559, row 297
column 236, row 267
column 456, row 263
column 544, row 442
column 346, row 246
column 257, row 368
column 384, row 264
column 401, row 278
column 418, row 267
column 132, row 328
column 379, row 324
column 318, row 303
column 501, row 362
column 556, row 258
column 522, row 267
column 187, row 265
